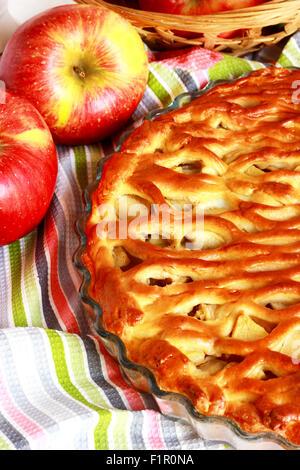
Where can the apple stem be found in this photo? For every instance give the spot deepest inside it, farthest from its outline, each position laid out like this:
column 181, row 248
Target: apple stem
column 80, row 72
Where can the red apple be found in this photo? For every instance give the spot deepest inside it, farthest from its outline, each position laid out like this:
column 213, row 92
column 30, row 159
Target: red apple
column 197, row 7
column 28, row 167
column 83, row 67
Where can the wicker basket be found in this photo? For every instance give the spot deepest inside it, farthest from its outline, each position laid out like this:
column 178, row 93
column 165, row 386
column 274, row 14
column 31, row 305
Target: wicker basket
column 263, row 25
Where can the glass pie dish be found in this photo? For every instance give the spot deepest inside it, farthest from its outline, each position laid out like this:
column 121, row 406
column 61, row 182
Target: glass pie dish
column 212, row 429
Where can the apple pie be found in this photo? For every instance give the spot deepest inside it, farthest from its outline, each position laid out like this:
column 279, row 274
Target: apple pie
column 193, row 246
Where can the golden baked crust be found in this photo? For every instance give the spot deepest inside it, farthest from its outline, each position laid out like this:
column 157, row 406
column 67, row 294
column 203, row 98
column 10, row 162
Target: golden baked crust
column 219, row 323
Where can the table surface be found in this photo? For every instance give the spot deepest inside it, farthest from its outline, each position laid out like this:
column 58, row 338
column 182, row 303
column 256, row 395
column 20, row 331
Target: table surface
column 18, row 11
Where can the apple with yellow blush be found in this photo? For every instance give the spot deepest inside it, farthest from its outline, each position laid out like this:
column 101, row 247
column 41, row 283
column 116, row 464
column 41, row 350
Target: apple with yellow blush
column 83, row 67
column 28, row 167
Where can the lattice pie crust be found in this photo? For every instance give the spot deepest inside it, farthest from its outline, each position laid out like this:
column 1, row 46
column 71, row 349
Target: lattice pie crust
column 219, row 324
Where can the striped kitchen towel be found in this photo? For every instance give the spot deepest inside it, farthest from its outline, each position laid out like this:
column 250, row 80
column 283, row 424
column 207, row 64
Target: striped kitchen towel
column 59, row 388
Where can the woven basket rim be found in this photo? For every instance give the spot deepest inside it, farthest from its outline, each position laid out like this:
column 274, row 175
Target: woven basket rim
column 162, row 27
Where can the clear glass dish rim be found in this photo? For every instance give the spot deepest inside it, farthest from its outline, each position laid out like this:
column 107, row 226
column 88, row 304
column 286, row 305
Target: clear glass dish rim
column 122, row 359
